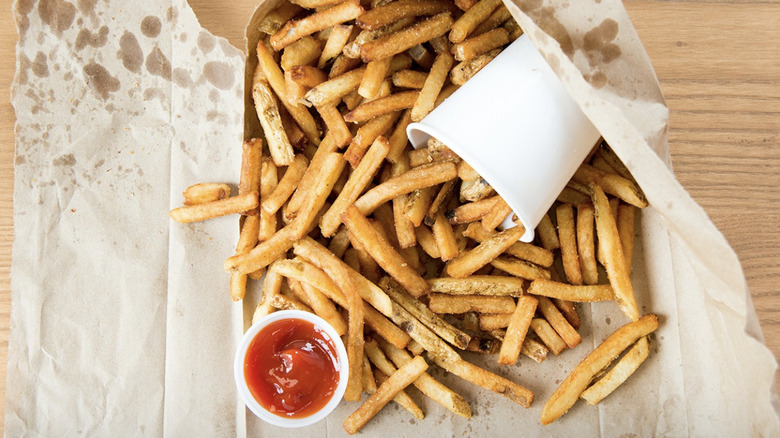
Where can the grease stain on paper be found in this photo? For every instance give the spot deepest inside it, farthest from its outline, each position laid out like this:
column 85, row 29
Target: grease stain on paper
column 100, row 80
column 219, row 74
column 39, row 66
column 66, row 160
column 58, row 14
column 130, row 52
column 206, row 42
column 87, row 7
column 87, row 38
column 181, row 77
column 158, row 65
column 598, row 41
column 151, row 26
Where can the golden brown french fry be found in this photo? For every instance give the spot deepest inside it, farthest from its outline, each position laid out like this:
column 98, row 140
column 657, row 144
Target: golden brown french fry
column 398, row 139
column 517, row 329
column 608, row 155
column 521, row 250
column 566, row 395
column 405, row 39
column 427, row 242
column 475, row 190
column 417, row 309
column 302, row 52
column 417, row 178
column 205, row 192
column 356, row 184
column 569, row 311
column 319, row 303
column 445, row 93
column 548, row 335
column 580, row 294
column 402, row 398
column 489, row 381
column 471, row 260
column 493, row 321
column 352, row 49
column 548, row 236
column 619, row 373
column 337, row 128
column 294, row 30
column 263, row 254
column 384, row 254
column 443, row 303
column 625, row 226
column 615, row 185
column 237, row 286
column 276, row 18
column 432, row 86
column 271, row 203
column 332, row 166
column 478, row 285
column 305, row 272
column 315, row 4
column 395, row 383
column 473, row 47
column 375, row 74
column 427, row 384
column 465, row 5
column 309, row 178
column 285, row 302
column 272, row 284
column 499, row 15
column 382, row 106
column 409, row 79
column 586, row 244
column 445, row 238
column 268, row 183
column 465, row 70
column 210, row 210
column 513, row 28
column 278, row 144
column 568, row 238
column 247, row 239
column 366, row 135
column 421, row 56
column 437, row 205
column 251, row 159
column 369, row 382
column 569, row 195
column 338, row 38
column 391, row 12
column 520, row 268
column 331, row 91
column 496, row 215
column 617, row 270
column 472, row 211
column 559, row 322
column 472, row 18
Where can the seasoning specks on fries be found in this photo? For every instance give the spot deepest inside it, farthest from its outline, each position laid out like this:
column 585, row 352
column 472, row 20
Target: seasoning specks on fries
column 399, row 249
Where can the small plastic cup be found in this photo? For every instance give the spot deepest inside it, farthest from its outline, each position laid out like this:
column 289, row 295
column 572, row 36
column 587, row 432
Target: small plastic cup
column 516, row 125
column 246, row 395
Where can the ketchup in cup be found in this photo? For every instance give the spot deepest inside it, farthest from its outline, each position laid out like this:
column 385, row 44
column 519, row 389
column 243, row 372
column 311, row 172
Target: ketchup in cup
column 291, row 368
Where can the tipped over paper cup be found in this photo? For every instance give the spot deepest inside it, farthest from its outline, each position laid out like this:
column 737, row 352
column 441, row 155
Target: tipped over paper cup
column 516, row 125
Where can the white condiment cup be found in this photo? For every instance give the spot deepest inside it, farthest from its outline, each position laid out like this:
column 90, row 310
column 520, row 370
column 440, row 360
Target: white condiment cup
column 516, row 125
column 241, row 383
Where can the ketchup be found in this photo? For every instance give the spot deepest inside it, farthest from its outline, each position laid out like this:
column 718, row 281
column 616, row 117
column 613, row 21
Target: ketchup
column 292, row 368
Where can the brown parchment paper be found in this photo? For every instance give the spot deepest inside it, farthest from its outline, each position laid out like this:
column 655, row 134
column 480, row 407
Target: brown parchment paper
column 121, row 322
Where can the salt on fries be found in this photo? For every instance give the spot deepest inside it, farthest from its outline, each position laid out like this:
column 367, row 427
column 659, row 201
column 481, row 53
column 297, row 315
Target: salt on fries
column 341, row 218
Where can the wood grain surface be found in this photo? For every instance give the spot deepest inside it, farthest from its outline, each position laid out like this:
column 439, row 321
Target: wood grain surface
column 718, row 63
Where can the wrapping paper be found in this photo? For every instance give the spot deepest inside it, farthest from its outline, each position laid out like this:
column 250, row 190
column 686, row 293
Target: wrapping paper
column 121, row 321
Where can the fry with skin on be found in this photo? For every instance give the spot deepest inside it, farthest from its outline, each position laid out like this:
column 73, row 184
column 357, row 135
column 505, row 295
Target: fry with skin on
column 558, row 322
column 473, row 47
column 398, row 139
column 366, row 135
column 478, row 285
column 395, row 383
column 271, row 121
column 302, row 52
column 417, row 178
column 566, row 395
column 292, row 176
column 394, row 11
column 580, row 294
column 492, row 321
column 617, row 271
column 427, row 242
column 205, row 192
column 471, row 211
column 338, row 38
column 443, row 303
column 615, row 185
column 516, row 330
column 251, row 160
column 337, row 127
column 331, row 91
column 520, row 268
column 276, row 18
column 521, row 250
column 499, row 15
column 210, row 210
column 407, row 38
column 402, row 398
column 480, row 377
column 294, row 30
column 548, row 335
column 568, row 238
column 470, row 261
column 381, row 106
column 418, row 204
column 472, row 18
column 432, row 86
column 437, row 205
column 619, row 373
column 586, row 244
column 465, row 70
column 384, row 254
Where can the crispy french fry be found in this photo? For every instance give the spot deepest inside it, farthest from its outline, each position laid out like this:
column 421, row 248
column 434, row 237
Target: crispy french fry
column 580, row 294
column 470, row 261
column 417, row 178
column 338, row 38
column 475, row 190
column 315, row 4
column 375, row 74
column 465, row 70
column 478, row 285
column 445, row 93
column 473, row 47
column 398, row 139
column 569, row 311
column 496, row 215
column 619, row 373
column 332, row 166
column 369, row 382
column 367, row 134
column 205, row 192
column 294, row 30
column 302, row 52
column 319, row 303
column 382, row 106
column 520, row 268
column 405, row 39
column 276, row 18
column 489, row 381
column 517, row 329
column 472, row 18
column 493, row 321
column 352, row 49
column 625, row 226
column 559, row 323
column 472, row 211
column 293, row 91
column 568, row 238
column 521, row 250
column 437, row 205
column 443, row 303
column 395, row 383
column 272, row 284
column 513, row 28
column 499, row 15
column 548, row 236
column 548, row 335
column 381, row 250
column 409, row 79
column 292, row 176
column 608, row 155
column 337, row 128
column 445, row 238
column 271, row 121
column 247, row 239
column 432, row 86
column 615, row 185
column 268, row 182
column 331, row 91
column 263, row 254
column 586, row 244
column 210, row 210
column 617, row 270
column 237, row 286
column 251, row 159
column 391, row 12
column 309, row 178
column 434, row 322
column 569, row 195
column 566, row 395
column 402, row 398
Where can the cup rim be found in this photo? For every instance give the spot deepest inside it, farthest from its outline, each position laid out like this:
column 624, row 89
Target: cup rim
column 243, row 389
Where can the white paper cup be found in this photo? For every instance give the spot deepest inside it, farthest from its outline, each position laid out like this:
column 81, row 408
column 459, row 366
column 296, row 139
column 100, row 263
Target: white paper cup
column 516, row 125
column 243, row 389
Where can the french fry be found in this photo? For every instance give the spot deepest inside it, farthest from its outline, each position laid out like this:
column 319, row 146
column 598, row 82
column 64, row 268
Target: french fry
column 376, row 71
column 237, row 286
column 489, row 381
column 247, row 239
column 427, row 384
column 580, row 294
column 395, row 383
column 586, row 244
column 315, row 4
column 205, row 192
column 475, row 190
column 402, row 398
column 615, row 377
column 499, row 15
column 421, row 56
column 517, row 329
column 268, row 182
column 513, row 28
column 356, row 184
column 432, row 86
column 569, row 195
column 568, row 238
column 352, row 50
column 558, row 322
column 369, row 382
column 566, row 395
column 394, row 11
column 210, row 210
column 472, row 18
column 338, row 38
column 309, row 178
column 382, row 106
column 263, row 254
column 271, row 121
column 470, row 261
column 409, row 79
column 569, row 311
column 285, row 302
column 332, row 166
column 272, row 285
column 521, row 250
column 437, row 205
column 465, row 5
column 417, row 178
column 615, row 185
column 302, row 52
column 496, row 215
column 398, row 139
column 405, row 39
column 251, row 158
column 465, row 70
column 418, row 204
column 478, row 285
column 445, row 93
column 617, row 270
column 472, row 211
column 493, row 321
column 331, row 91
column 445, row 238
column 548, row 236
column 548, row 335
column 294, row 30
column 292, row 176
column 606, row 153
column 293, row 91
column 319, row 303
column 423, row 314
column 384, row 254
column 366, row 135
column 473, row 47
column 443, row 303
column 625, row 226
column 520, row 268
column 276, row 18
column 337, row 128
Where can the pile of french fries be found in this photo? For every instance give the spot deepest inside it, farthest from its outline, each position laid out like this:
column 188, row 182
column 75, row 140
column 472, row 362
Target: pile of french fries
column 398, row 248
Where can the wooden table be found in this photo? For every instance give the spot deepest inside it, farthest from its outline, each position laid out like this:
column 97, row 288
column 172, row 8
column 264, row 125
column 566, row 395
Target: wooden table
column 719, row 68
